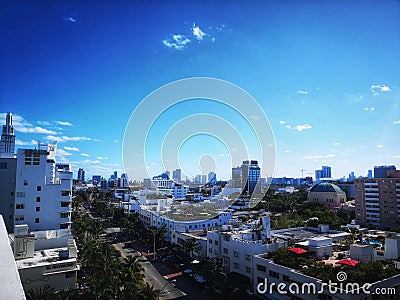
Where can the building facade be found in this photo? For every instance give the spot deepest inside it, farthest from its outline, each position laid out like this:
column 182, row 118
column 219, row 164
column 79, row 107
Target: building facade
column 377, row 201
column 43, row 189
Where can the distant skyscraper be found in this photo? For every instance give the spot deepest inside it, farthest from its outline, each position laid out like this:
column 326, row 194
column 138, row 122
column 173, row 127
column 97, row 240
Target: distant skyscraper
column 7, row 142
column 326, row 172
column 115, row 174
column 203, row 179
column 318, row 175
column 197, row 178
column 212, row 177
column 96, row 179
column 237, row 177
column 81, row 174
column 381, row 171
column 251, row 176
column 369, row 174
column 177, row 175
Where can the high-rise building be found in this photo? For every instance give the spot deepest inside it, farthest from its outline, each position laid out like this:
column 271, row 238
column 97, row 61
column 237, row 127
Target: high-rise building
column 177, row 175
column 251, row 177
column 197, row 178
column 326, row 172
column 42, row 189
column 8, row 168
column 203, row 179
column 377, row 200
column 81, row 174
column 381, row 171
column 318, row 174
column 237, row 177
column 212, row 177
column 369, row 174
column 7, row 142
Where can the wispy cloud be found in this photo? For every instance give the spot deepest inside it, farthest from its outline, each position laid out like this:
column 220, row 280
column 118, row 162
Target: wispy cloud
column 197, row 32
column 336, row 144
column 177, row 42
column 67, row 138
column 71, row 148
column 70, row 19
column 379, row 89
column 61, row 152
column 396, row 122
column 36, row 129
column 299, row 127
column 379, row 146
column 102, row 158
column 301, row 92
column 85, row 154
column 23, row 143
column 330, row 155
column 282, row 122
column 369, row 108
column 64, row 123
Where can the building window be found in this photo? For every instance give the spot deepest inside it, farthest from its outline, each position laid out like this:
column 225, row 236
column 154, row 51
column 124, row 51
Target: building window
column 248, row 257
column 20, row 206
column 210, row 241
column 216, row 243
column 225, row 251
column 38, row 188
column 248, row 270
column 65, row 193
column 274, row 274
column 226, row 238
column 3, row 165
column 19, row 218
column 25, row 182
column 37, row 199
column 236, row 265
column 12, row 193
column 235, row 254
column 64, row 226
column 261, row 268
column 286, row 278
column 37, row 208
column 209, row 250
column 65, row 204
column 20, row 194
column 37, row 220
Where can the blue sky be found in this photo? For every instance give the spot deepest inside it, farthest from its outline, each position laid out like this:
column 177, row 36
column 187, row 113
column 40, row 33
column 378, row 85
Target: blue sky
column 326, row 74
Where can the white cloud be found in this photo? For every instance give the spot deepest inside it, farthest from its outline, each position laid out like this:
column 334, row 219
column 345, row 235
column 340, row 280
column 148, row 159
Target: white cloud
column 67, row 138
column 34, row 130
column 302, row 127
column 379, row 146
column 177, row 42
column 71, row 148
column 379, row 89
column 282, row 122
column 330, row 155
column 116, row 141
column 369, row 108
column 300, row 92
column 197, row 32
column 64, row 123
column 85, row 154
column 102, row 158
column 22, row 143
column 396, row 122
column 61, row 152
column 287, row 151
column 336, row 144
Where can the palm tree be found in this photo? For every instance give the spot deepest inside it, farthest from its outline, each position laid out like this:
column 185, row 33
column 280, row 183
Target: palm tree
column 161, row 231
column 191, row 246
column 149, row 293
column 44, row 293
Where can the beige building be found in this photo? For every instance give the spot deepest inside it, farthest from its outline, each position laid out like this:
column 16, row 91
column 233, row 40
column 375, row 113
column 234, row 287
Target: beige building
column 327, row 193
column 377, row 201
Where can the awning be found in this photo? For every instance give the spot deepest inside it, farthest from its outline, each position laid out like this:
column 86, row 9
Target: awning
column 347, row 262
column 297, row 250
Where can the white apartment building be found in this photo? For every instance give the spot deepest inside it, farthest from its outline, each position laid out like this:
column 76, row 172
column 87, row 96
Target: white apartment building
column 43, row 189
column 237, row 246
column 179, row 238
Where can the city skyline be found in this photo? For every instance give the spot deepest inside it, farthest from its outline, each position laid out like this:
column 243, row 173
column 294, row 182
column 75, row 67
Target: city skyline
column 325, row 74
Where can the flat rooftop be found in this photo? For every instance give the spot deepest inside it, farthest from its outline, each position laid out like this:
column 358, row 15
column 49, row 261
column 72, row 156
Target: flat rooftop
column 46, row 257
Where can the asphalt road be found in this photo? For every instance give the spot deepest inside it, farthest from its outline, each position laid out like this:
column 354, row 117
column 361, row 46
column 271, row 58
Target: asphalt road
column 153, row 277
